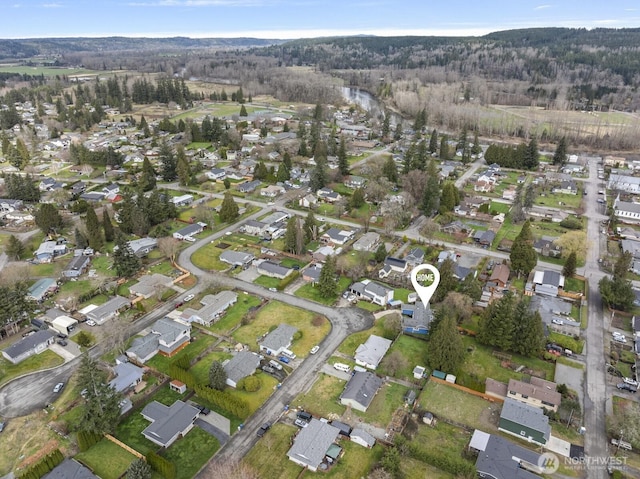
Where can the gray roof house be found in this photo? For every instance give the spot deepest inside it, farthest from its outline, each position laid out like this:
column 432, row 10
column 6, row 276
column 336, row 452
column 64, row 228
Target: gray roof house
column 76, row 266
column 548, row 282
column 143, row 348
column 213, row 307
column 360, row 390
column 236, row 258
column 143, row 246
column 374, row 292
column 168, row 423
column 312, row 273
column 70, row 469
column 415, row 257
column 499, row 458
column 362, row 437
column 311, row 444
column 166, row 337
column 278, row 339
column 243, row 364
column 370, row 353
column 188, row 231
column 524, row 421
column 367, row 242
column 249, row 186
column 274, row 270
column 149, row 284
column 335, row 236
column 29, row 345
column 109, row 310
column 127, row 376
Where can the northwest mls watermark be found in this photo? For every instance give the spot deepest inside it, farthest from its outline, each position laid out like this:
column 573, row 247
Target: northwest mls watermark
column 548, row 463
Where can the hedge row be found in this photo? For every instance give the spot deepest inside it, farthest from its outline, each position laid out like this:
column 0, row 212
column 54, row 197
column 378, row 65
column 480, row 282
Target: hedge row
column 162, row 466
column 86, row 439
column 43, row 466
column 176, row 372
column 183, row 362
column 224, row 400
column 284, row 282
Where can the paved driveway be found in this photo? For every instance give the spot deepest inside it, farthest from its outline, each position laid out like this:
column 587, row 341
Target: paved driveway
column 211, row 429
column 573, row 378
column 68, row 352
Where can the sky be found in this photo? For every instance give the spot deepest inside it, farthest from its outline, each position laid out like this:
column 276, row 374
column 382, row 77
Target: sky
column 287, row 19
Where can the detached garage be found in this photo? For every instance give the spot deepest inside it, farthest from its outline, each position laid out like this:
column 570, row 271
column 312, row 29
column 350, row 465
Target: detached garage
column 64, row 324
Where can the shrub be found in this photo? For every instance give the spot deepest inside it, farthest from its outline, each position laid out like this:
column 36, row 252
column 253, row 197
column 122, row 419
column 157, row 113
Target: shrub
column 161, row 465
column 250, row 384
column 571, row 223
column 43, row 466
column 297, row 335
column 288, row 280
column 87, row 439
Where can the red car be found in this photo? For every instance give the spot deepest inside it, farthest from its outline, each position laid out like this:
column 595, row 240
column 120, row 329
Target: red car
column 179, row 304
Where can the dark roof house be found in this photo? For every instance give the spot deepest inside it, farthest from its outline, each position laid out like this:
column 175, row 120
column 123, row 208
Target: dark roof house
column 524, row 421
column 168, row 423
column 243, row 364
column 311, row 444
column 360, row 390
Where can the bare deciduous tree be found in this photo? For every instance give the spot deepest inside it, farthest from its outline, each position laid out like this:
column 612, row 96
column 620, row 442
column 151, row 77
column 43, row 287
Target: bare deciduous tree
column 169, row 247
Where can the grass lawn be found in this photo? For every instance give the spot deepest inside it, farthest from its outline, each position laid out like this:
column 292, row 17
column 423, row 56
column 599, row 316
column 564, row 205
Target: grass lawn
column 499, row 207
column 412, row 350
column 290, row 263
column 350, row 344
column 235, row 313
column 559, row 200
column 481, row 363
column 367, row 306
column 162, row 363
column 312, row 292
column 130, row 430
column 574, row 284
column 389, row 398
column 356, row 462
column 269, row 456
column 44, row 360
column 402, row 294
column 412, row 469
column 257, row 399
column 48, row 269
column 322, row 398
column 200, row 370
column 106, row 459
column 164, row 267
column 459, row 406
column 275, row 313
column 191, row 452
column 76, row 288
column 208, row 257
column 267, row 281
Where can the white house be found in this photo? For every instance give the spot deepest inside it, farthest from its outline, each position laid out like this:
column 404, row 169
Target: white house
column 374, row 292
column 370, row 353
column 272, row 191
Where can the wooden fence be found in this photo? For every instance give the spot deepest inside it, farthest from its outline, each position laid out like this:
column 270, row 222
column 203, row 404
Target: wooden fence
column 484, row 396
column 125, row 447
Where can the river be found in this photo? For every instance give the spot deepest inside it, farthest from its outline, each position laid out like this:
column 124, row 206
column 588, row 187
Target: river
column 368, row 102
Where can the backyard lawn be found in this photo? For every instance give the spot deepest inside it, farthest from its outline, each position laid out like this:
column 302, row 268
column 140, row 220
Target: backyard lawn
column 322, row 398
column 351, row 343
column 313, row 327
column 202, row 342
column 235, row 313
column 257, row 398
column 191, row 452
column 312, row 292
column 44, row 360
column 200, row 370
column 208, row 258
column 106, row 459
column 357, row 461
column 413, row 352
column 130, row 430
column 379, row 413
column 269, row 456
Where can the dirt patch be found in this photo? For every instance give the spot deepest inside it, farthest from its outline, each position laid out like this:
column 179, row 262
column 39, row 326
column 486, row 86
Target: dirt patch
column 490, row 416
column 222, row 245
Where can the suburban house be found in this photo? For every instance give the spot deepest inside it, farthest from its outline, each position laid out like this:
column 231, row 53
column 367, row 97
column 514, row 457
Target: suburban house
column 70, row 469
column 524, row 421
column 546, row 246
column 355, row 182
column 149, row 284
column 108, row 310
column 143, row 246
column 370, row 353
column 415, row 257
column 64, row 324
column 416, row 318
column 111, row 190
column 367, row 242
column 499, row 458
column 272, row 191
column 567, row 187
column 213, row 307
column 255, row 228
column 336, row 237
column 28, row 346
column 312, row 273
column 374, row 292
column 628, row 184
column 328, row 195
column 42, row 288
column 538, row 393
column 216, row 174
column 500, row 275
column 483, row 186
column 509, row 194
column 278, row 340
column 362, row 437
column 548, row 283
column 48, row 250
column 627, row 211
column 182, row 200
column 249, row 186
column 236, row 258
column 189, row 231
column 484, row 237
column 273, row 270
column 308, row 201
column 311, row 444
column 360, row 390
column 128, row 376
column 77, row 266
column 323, row 252
column 166, row 337
column 168, row 423
column 243, row 364
column 392, row 265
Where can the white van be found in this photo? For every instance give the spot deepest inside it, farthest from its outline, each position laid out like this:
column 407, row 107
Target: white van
column 342, row 367
column 288, row 354
column 275, row 364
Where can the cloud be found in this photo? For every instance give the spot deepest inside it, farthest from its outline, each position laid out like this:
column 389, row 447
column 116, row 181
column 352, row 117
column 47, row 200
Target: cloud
column 200, row 3
column 542, row 7
column 52, row 5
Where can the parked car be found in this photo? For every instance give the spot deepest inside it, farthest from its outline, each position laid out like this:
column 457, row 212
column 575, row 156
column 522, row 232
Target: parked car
column 62, row 342
column 315, row 349
column 301, row 423
column 178, row 304
column 61, row 336
column 626, row 387
column 630, row 382
column 91, row 322
column 58, row 387
column 284, row 359
column 2, row 424
column 557, row 321
column 268, row 369
column 273, row 290
column 620, row 339
column 275, row 364
column 263, row 429
column 189, row 297
column 203, row 410
column 305, row 416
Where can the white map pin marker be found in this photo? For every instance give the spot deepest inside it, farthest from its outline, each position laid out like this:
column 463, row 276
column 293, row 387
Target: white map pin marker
column 431, row 276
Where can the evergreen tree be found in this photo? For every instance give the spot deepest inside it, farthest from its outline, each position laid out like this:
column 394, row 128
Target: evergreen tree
column 290, row 239
column 532, row 156
column 432, row 190
column 381, row 253
column 138, row 469
column 260, row 171
column 283, row 173
column 343, row 165
column 476, row 149
column 125, row 262
column 229, row 210
column 227, row 183
column 407, row 163
column 528, row 335
column 448, row 281
column 560, row 156
column 444, row 147
column 168, row 162
column 523, row 256
column 147, row 180
column 445, row 348
column 433, row 142
column 419, row 161
column 310, row 227
column 448, row 200
column 386, row 126
column 286, row 161
column 570, row 264
column 357, row 199
column 183, row 169
column 48, row 219
column 81, row 241
column 462, row 141
column 497, row 324
column 94, row 231
column 471, row 286
column 107, row 226
column 101, row 411
column 327, row 281
column 14, row 248
column 390, row 171
column 243, row 111
column 217, row 376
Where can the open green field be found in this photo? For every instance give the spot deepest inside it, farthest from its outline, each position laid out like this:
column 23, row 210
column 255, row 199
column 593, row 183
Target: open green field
column 226, row 109
column 46, row 71
column 499, row 207
column 322, row 397
column 559, row 200
column 313, row 327
column 106, row 459
column 458, row 406
column 235, row 313
column 191, row 452
column 312, row 292
column 269, row 456
column 37, row 362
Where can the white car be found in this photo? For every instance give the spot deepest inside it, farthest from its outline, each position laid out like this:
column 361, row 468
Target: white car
column 189, row 297
column 631, row 382
column 58, row 387
column 620, row 339
column 91, row 322
column 315, row 349
column 557, row 321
